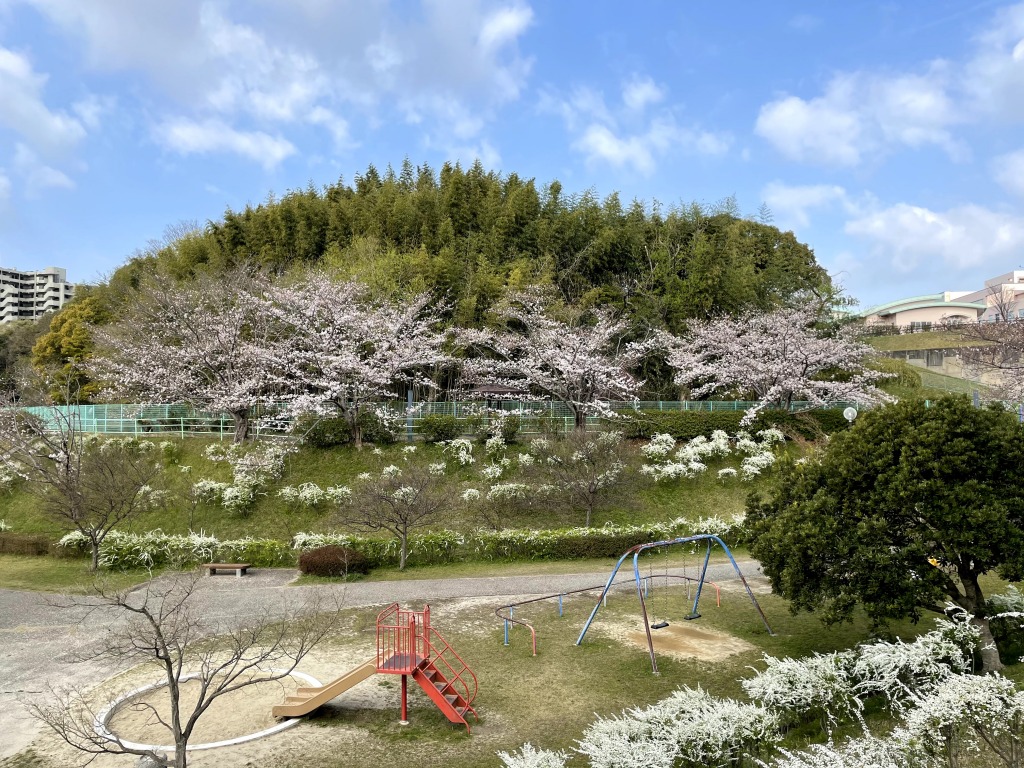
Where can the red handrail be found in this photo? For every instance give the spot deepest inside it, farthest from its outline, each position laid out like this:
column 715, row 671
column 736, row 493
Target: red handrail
column 440, row 647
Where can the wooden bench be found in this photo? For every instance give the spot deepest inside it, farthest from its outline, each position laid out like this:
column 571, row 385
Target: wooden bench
column 238, row 568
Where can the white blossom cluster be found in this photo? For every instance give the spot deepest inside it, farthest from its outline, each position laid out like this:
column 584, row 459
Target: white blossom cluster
column 312, row 495
column 833, row 686
column 460, row 450
column 531, row 757
column 691, row 459
column 689, row 728
column 4, row 526
column 252, row 469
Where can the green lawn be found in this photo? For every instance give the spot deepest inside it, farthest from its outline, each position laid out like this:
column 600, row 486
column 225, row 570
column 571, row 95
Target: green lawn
column 51, row 574
column 908, row 341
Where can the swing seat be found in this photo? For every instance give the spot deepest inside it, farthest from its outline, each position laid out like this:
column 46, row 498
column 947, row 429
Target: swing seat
column 692, row 617
column 659, row 625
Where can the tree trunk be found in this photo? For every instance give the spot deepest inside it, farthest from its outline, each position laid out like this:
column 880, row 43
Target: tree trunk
column 581, row 419
column 987, row 647
column 974, row 604
column 404, row 539
column 94, row 547
column 241, row 419
column 352, row 417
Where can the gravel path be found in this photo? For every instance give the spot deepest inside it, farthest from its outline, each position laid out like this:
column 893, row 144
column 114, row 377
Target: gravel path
column 39, row 637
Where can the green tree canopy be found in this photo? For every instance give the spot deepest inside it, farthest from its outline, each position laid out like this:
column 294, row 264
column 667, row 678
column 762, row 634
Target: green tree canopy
column 902, row 513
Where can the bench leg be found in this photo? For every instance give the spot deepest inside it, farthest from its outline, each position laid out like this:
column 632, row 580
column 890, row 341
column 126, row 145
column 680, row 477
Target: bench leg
column 239, row 572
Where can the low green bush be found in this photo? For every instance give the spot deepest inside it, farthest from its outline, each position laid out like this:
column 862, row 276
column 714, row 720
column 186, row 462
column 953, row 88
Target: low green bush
column 323, row 432
column 333, row 560
column 438, row 428
column 510, row 426
column 376, row 430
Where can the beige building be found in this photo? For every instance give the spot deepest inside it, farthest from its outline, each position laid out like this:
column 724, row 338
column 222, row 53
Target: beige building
column 27, row 295
column 1001, row 298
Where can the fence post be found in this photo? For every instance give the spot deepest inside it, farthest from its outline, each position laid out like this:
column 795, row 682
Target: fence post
column 408, row 415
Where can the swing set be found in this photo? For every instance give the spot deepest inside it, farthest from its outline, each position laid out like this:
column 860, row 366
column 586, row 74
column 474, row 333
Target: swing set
column 642, row 584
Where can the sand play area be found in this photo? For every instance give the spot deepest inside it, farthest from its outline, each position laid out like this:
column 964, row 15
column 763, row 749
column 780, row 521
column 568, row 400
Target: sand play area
column 680, row 640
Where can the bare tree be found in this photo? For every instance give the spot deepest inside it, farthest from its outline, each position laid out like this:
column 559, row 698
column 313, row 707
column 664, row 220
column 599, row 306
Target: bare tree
column 993, row 349
column 164, row 626
column 397, row 500
column 84, row 482
column 586, row 472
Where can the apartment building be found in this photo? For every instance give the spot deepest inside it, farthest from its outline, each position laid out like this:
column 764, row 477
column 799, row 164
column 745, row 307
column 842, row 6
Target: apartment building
column 27, row 295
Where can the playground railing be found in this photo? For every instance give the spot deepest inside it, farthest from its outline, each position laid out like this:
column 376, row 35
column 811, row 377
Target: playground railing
column 402, row 635
column 443, row 655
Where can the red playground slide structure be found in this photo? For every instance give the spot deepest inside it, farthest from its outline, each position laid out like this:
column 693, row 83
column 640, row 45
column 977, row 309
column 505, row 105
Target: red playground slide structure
column 408, row 646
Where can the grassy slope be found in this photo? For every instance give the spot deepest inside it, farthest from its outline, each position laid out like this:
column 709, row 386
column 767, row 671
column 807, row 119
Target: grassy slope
column 909, row 341
column 271, row 517
column 50, row 574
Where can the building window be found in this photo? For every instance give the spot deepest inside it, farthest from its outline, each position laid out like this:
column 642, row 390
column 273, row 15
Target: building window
column 934, row 358
column 915, row 354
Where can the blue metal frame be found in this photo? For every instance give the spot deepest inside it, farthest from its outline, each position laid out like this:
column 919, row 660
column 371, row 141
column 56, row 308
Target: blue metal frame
column 711, row 540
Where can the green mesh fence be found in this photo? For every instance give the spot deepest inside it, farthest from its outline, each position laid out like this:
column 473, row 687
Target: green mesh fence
column 536, row 416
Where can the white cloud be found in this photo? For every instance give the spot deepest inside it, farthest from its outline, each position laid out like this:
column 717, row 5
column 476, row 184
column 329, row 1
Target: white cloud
column 277, row 63
column 5, row 187
column 504, row 26
column 336, row 125
column 640, row 92
column 860, row 116
column 793, row 204
column 194, row 137
column 964, row 236
column 1008, row 170
column 624, row 137
column 36, row 174
column 994, row 76
column 21, row 93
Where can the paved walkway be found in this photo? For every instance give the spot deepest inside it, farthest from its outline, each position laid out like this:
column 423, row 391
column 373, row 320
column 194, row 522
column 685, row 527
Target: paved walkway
column 39, row 637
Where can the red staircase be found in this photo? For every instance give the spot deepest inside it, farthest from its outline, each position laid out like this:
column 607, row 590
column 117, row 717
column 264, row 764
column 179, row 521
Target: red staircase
column 408, row 646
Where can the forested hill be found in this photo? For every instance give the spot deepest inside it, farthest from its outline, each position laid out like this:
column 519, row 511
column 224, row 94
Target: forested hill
column 466, row 235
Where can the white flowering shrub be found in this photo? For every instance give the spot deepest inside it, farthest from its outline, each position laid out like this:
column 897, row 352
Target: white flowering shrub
column 965, row 714
column 530, row 757
column 124, row 551
column 900, row 671
column 691, row 460
column 460, row 451
column 659, row 447
column 507, row 491
column 688, row 729
column 4, row 526
column 492, row 471
column 866, row 752
column 437, row 468
column 818, row 686
column 495, row 446
column 252, row 468
column 471, row 494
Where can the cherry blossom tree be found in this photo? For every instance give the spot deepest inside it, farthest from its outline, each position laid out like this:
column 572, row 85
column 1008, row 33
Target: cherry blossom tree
column 338, row 351
column 198, row 343
column 581, row 359
column 778, row 356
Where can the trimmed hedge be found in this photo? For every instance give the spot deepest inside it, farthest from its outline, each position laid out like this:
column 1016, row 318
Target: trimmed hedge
column 23, row 544
column 124, row 551
column 333, row 560
column 686, row 425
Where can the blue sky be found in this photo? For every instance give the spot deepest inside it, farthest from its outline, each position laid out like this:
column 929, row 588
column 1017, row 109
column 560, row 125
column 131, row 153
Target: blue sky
column 888, row 136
